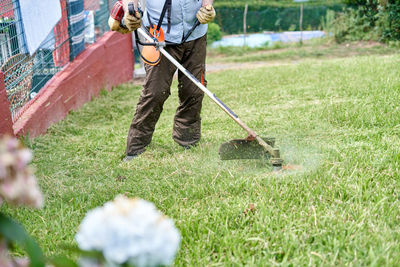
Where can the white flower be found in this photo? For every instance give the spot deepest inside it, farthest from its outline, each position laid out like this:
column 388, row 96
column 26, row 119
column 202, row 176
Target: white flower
column 129, row 231
column 17, row 184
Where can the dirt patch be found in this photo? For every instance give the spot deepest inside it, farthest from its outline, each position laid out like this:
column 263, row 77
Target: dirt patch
column 216, row 67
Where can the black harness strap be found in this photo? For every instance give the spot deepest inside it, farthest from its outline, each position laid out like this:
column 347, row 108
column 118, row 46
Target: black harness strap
column 169, row 15
column 148, row 16
column 167, row 7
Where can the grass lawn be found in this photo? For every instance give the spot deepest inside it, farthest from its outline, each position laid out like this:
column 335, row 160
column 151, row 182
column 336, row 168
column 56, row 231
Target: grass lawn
column 338, row 118
column 285, row 52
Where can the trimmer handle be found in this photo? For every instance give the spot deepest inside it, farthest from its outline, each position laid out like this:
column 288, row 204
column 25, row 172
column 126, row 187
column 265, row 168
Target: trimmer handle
column 197, row 24
column 131, row 9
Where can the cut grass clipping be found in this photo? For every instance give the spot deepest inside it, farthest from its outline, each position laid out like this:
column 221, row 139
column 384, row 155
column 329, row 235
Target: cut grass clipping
column 338, row 118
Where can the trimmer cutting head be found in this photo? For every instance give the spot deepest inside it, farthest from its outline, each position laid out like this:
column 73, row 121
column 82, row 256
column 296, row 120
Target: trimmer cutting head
column 246, row 149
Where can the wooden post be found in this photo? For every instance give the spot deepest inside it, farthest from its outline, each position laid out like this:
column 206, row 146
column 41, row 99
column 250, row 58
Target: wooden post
column 301, row 23
column 245, row 23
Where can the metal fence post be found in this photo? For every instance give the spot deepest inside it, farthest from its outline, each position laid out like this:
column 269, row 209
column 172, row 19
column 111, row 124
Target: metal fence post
column 20, row 27
column 6, row 125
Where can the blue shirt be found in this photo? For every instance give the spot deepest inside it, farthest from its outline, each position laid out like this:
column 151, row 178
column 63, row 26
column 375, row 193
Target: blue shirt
column 183, row 17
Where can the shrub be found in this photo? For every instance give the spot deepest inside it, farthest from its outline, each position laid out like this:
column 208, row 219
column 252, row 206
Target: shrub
column 392, row 31
column 327, row 21
column 353, row 25
column 214, row 33
column 369, row 20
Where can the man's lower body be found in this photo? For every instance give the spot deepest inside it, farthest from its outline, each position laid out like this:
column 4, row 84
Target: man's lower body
column 187, row 121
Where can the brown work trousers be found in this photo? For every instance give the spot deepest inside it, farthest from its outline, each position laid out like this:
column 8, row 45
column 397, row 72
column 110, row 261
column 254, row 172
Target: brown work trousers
column 187, row 121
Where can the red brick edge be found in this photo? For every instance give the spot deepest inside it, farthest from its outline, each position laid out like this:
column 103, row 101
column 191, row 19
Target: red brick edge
column 5, row 114
column 106, row 63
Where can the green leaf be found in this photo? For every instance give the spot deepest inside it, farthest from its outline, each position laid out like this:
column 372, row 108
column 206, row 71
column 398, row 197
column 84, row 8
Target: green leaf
column 14, row 232
column 85, row 253
column 62, row 261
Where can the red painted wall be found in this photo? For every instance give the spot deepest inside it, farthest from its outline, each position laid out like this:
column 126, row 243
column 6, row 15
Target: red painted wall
column 5, row 114
column 6, row 9
column 104, row 64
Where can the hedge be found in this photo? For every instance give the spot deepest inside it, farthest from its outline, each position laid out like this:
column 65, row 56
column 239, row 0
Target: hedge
column 369, row 20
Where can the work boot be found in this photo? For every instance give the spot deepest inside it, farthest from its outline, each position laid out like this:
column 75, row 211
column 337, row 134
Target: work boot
column 129, row 158
column 188, row 147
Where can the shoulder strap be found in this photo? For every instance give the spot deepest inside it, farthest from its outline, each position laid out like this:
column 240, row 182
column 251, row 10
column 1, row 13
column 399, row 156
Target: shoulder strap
column 169, row 16
column 167, row 6
column 148, row 17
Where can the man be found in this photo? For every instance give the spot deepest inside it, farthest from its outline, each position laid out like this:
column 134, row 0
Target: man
column 179, row 17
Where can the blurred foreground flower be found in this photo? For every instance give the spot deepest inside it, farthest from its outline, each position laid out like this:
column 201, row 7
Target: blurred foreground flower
column 17, row 187
column 129, row 231
column 7, row 261
column 17, row 184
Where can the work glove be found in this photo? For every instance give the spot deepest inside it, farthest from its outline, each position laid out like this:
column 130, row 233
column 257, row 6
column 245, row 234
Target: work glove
column 132, row 22
column 115, row 25
column 206, row 14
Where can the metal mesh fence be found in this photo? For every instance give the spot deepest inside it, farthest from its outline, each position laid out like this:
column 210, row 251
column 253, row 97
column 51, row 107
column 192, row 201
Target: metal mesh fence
column 15, row 65
column 82, row 22
column 270, row 18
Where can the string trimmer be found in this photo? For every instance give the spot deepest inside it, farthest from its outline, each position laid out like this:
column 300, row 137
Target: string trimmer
column 253, row 146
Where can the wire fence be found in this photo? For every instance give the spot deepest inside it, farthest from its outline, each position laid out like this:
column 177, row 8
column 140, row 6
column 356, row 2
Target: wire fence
column 270, row 18
column 82, row 22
